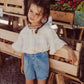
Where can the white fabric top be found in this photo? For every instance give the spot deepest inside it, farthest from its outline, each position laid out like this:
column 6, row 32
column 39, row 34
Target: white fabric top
column 31, row 43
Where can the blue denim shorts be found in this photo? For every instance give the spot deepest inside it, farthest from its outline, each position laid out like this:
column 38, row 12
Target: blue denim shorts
column 36, row 65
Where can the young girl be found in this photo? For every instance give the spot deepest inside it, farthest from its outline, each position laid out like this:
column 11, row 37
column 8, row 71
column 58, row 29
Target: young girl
column 35, row 40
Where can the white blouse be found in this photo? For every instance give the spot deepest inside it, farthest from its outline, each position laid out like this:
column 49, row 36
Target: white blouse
column 31, row 43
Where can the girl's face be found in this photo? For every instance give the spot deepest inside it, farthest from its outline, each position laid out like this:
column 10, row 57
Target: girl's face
column 35, row 14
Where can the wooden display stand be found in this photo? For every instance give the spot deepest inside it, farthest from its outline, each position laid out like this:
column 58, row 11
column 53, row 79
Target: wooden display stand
column 59, row 63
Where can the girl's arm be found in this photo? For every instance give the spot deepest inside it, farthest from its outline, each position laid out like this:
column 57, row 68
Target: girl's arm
column 71, row 54
column 22, row 63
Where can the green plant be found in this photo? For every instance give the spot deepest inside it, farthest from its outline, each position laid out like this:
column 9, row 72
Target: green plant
column 80, row 7
column 65, row 5
column 59, row 7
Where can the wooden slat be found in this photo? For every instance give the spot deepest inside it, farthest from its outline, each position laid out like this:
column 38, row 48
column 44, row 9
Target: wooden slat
column 14, row 10
column 64, row 25
column 17, row 15
column 51, row 78
column 6, row 48
column 1, row 6
column 82, row 27
column 63, row 67
column 8, row 35
column 81, row 34
column 15, row 2
column 78, row 56
column 59, row 79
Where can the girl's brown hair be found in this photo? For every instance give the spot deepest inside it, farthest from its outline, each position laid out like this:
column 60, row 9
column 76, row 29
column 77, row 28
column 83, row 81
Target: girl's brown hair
column 45, row 4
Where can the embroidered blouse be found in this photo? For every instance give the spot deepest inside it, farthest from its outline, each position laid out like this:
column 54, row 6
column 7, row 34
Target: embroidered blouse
column 45, row 39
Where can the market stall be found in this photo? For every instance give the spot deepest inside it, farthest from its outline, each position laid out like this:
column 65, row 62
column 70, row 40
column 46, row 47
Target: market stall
column 60, row 65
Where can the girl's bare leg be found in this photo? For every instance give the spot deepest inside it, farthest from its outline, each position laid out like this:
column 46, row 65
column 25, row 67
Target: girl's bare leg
column 29, row 81
column 41, row 81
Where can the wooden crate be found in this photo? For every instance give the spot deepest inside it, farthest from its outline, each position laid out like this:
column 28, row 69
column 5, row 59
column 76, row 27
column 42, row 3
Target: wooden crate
column 54, row 64
column 14, row 6
column 64, row 67
column 62, row 17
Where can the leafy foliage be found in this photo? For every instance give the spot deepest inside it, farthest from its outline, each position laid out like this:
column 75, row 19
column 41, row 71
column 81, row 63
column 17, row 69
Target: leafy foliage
column 66, row 5
column 80, row 7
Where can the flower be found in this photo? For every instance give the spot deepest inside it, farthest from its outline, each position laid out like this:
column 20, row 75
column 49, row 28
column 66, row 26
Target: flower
column 73, row 5
column 65, row 5
column 62, row 2
column 74, row 1
column 70, row 3
column 77, row 2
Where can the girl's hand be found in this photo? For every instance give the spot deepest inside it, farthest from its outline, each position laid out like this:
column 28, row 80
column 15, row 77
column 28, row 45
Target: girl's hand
column 22, row 63
column 71, row 54
column 22, row 69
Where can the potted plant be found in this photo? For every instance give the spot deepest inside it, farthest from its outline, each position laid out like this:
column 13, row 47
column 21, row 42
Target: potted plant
column 65, row 5
column 63, row 10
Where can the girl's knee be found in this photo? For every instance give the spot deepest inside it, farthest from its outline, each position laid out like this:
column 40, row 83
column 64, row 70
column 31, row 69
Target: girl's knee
column 29, row 81
column 41, row 81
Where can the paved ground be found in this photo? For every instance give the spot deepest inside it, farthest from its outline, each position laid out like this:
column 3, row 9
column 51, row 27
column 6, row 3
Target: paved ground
column 10, row 72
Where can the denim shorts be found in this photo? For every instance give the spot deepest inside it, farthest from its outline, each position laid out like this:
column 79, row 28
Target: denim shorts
column 36, row 65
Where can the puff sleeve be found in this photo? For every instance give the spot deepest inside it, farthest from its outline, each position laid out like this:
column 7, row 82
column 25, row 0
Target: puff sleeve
column 54, row 41
column 18, row 45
